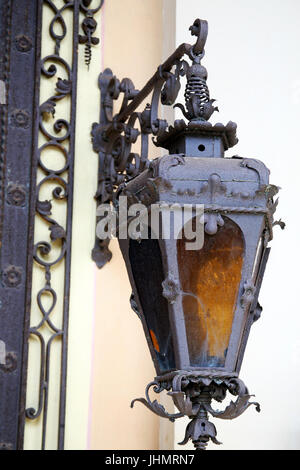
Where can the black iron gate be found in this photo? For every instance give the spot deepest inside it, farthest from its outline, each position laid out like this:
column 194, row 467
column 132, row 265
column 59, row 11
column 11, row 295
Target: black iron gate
column 24, row 119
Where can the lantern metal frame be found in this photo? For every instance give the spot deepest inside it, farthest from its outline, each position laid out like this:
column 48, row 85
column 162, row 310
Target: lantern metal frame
column 237, row 188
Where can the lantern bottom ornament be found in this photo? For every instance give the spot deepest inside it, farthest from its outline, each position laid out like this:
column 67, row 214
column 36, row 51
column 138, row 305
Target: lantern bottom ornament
column 192, row 393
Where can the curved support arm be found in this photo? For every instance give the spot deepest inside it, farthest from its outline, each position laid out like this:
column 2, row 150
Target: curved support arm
column 113, row 137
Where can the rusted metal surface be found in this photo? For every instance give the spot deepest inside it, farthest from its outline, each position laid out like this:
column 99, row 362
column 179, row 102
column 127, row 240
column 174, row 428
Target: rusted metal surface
column 194, row 172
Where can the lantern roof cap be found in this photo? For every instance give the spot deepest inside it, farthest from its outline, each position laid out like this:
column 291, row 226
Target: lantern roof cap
column 198, row 130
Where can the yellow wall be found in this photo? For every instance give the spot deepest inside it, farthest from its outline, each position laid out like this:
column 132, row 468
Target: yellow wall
column 132, row 47
column 83, row 270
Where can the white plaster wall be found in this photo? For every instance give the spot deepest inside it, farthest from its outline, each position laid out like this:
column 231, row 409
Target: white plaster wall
column 253, row 62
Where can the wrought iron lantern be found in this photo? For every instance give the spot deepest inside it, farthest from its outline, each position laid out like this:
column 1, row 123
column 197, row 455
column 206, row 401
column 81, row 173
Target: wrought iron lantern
column 196, row 305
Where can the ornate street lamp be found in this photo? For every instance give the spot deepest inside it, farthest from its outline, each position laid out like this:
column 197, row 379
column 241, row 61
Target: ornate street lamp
column 196, row 305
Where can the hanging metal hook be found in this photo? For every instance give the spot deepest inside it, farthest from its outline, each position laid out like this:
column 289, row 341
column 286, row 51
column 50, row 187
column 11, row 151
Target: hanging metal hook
column 89, row 26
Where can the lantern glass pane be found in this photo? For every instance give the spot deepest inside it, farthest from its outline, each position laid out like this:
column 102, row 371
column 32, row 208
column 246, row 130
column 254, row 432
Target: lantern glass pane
column 147, row 270
column 210, row 279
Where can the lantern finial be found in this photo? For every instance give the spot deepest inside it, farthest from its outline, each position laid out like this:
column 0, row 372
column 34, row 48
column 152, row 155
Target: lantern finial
column 199, row 28
column 198, row 105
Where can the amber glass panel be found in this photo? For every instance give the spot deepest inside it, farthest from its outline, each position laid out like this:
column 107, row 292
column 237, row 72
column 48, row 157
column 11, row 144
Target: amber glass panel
column 210, row 280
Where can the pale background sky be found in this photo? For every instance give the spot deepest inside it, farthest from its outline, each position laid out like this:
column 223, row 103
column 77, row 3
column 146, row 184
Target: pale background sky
column 253, row 62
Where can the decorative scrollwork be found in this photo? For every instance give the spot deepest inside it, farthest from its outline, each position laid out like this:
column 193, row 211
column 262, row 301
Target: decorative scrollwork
column 192, row 393
column 57, row 138
column 114, row 136
column 154, row 405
